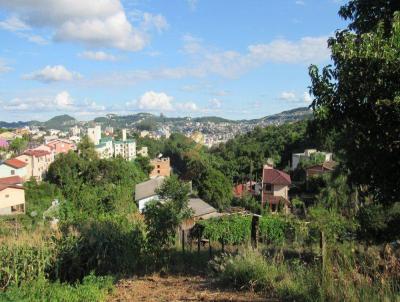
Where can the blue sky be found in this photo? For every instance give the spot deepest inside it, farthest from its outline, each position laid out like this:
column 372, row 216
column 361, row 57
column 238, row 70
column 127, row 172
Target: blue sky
column 235, row 59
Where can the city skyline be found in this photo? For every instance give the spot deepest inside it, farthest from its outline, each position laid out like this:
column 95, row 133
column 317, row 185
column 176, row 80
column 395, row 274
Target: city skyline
column 184, row 58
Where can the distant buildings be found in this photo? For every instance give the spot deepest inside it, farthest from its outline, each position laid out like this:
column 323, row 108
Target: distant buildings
column 307, row 154
column 38, row 162
column 161, row 167
column 319, row 169
column 108, row 147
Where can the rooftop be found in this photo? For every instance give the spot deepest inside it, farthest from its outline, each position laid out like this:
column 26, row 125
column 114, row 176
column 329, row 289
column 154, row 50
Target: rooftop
column 15, row 163
column 148, row 188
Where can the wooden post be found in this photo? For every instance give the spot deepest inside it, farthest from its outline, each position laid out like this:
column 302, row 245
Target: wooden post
column 322, row 245
column 222, row 246
column 209, row 248
column 255, row 231
column 183, row 241
column 198, row 242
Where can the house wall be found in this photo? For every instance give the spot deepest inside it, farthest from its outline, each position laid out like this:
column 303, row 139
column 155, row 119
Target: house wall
column 11, row 197
column 142, row 202
column 5, row 171
column 280, row 190
column 37, row 166
column 161, row 166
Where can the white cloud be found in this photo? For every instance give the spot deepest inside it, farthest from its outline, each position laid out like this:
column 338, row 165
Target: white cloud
column 300, row 2
column 206, row 60
column 37, row 39
column 13, row 23
column 62, row 102
column 291, row 97
column 307, row 98
column 52, row 74
column 97, row 56
column 157, row 21
column 4, row 67
column 215, row 103
column 158, row 101
column 192, row 4
column 187, row 107
column 98, row 23
column 288, row 96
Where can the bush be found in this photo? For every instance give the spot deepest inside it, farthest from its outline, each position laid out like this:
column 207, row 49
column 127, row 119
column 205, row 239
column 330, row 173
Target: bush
column 92, row 289
column 244, row 271
column 106, row 245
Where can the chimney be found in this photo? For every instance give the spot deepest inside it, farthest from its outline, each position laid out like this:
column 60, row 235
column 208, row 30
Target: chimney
column 123, row 135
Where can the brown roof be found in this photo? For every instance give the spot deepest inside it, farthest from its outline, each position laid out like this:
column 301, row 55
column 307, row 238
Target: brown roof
column 36, row 153
column 15, row 163
column 12, row 180
column 3, row 187
column 328, row 165
column 276, row 177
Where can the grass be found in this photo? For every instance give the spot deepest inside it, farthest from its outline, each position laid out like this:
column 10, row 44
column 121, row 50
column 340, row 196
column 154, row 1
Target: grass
column 91, row 289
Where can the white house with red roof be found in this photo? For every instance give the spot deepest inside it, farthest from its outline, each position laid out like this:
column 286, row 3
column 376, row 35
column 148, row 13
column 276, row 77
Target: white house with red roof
column 14, row 167
column 12, row 196
column 275, row 188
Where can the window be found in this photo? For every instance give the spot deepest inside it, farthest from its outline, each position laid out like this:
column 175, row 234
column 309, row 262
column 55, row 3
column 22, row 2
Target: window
column 268, row 187
column 12, row 172
column 7, row 195
column 158, row 166
column 158, row 172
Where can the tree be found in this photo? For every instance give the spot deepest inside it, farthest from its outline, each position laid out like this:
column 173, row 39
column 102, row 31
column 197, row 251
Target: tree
column 86, row 149
column 359, row 97
column 18, row 145
column 163, row 218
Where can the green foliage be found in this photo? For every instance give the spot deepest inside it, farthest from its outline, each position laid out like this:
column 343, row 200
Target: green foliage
column 231, row 229
column 105, row 245
column 91, row 289
column 358, row 97
column 248, row 202
column 38, row 197
column 86, row 149
column 21, row 262
column 273, row 229
column 163, row 219
column 314, row 159
column 144, row 164
column 18, row 145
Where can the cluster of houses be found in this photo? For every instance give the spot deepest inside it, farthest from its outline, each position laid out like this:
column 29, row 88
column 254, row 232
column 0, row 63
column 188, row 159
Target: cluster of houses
column 275, row 184
column 32, row 163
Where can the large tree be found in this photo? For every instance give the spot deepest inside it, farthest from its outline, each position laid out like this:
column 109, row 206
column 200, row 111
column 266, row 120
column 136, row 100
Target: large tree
column 359, row 96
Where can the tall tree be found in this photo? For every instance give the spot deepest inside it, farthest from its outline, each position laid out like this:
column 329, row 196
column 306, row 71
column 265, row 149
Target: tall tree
column 359, row 96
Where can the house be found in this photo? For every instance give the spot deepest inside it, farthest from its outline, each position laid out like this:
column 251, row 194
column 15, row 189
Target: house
column 14, row 167
column 61, row 146
column 161, row 167
column 297, row 157
column 146, row 191
column 38, row 162
column 3, row 144
column 12, row 196
column 275, row 188
column 8, row 135
column 200, row 211
column 251, row 187
column 325, row 167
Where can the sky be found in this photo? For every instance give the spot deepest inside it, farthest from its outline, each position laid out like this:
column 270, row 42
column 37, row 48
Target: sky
column 237, row 59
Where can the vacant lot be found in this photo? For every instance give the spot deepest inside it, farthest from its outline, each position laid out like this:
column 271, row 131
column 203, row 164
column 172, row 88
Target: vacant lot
column 177, row 288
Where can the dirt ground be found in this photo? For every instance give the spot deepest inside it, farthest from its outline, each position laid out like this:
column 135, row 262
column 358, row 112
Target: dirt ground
column 177, row 289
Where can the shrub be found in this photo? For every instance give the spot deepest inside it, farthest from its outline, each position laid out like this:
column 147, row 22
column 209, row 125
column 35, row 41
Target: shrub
column 106, row 245
column 92, row 289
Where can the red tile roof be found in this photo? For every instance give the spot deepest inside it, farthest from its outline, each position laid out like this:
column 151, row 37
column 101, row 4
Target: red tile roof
column 15, row 163
column 12, row 180
column 36, row 153
column 276, row 177
column 3, row 187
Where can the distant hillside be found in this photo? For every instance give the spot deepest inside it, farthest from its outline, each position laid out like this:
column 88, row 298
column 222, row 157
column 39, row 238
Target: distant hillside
column 292, row 115
column 148, row 121
column 60, row 122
